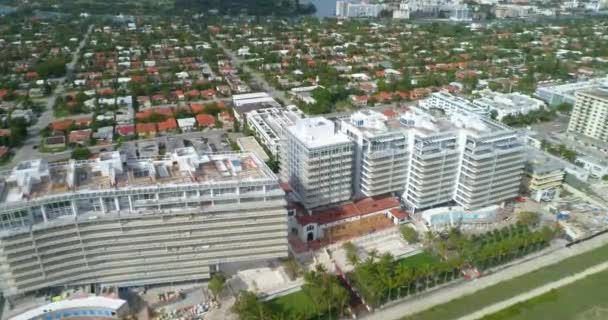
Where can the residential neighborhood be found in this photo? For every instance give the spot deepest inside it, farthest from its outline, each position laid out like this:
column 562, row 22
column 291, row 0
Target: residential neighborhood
column 234, row 160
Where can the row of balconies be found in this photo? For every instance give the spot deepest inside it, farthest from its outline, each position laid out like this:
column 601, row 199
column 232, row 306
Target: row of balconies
column 110, row 261
column 202, row 231
column 105, row 274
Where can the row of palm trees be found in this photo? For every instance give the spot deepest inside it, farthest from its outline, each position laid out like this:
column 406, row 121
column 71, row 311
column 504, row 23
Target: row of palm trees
column 498, row 250
column 381, row 279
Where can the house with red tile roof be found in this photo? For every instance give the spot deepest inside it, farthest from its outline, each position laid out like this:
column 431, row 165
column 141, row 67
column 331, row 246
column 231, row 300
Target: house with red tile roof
column 61, row 125
column 168, row 125
column 3, row 94
column 384, row 96
column 227, row 119
column 205, row 120
column 83, row 122
column 208, row 94
column 31, row 75
column 193, row 94
column 3, row 152
column 125, row 130
column 390, row 113
column 147, row 113
column 197, row 107
column 146, row 129
column 158, row 98
column 81, row 137
column 359, row 100
column 178, row 95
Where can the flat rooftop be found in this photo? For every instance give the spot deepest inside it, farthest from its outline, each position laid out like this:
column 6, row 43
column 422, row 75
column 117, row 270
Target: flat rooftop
column 601, row 92
column 422, row 123
column 250, row 144
column 317, row 132
column 36, row 178
column 540, row 162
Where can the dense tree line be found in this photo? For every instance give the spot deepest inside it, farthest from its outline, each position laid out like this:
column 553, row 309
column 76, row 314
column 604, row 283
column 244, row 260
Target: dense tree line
column 252, row 7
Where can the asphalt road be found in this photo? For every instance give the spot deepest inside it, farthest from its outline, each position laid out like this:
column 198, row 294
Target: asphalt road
column 256, row 76
column 547, row 257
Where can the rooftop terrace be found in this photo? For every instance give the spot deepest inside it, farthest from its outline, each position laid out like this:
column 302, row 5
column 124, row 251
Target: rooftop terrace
column 33, row 179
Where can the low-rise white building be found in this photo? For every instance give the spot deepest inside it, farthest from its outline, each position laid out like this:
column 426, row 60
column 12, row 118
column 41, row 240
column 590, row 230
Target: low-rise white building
column 566, row 93
column 505, row 104
column 452, row 104
column 268, row 124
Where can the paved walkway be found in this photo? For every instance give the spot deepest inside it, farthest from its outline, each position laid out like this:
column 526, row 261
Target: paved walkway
column 534, row 293
column 520, row 267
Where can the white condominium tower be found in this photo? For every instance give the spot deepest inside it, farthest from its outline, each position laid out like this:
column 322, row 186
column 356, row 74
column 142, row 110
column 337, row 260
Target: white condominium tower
column 317, row 162
column 381, row 155
column 590, row 114
column 463, row 158
column 138, row 222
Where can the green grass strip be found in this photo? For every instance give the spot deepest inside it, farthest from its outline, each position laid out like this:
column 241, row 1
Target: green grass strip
column 504, row 290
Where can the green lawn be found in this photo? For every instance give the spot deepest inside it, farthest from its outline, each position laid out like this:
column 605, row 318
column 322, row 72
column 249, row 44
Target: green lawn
column 297, row 306
column 582, row 300
column 468, row 304
column 418, row 260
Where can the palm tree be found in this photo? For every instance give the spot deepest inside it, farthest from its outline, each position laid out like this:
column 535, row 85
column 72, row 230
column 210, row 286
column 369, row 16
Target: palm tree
column 373, row 254
column 404, row 276
column 340, row 295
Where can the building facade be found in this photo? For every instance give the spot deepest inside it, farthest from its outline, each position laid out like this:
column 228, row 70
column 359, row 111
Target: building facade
column 380, row 157
column 508, row 104
column 353, row 9
column 268, row 125
column 452, row 104
column 317, row 162
column 590, row 114
column 544, row 175
column 138, row 222
column 462, row 158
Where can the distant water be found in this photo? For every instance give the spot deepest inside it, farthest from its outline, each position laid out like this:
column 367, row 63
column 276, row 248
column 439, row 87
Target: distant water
column 6, row 10
column 325, row 8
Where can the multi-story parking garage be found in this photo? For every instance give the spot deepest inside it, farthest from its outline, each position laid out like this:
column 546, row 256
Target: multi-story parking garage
column 149, row 221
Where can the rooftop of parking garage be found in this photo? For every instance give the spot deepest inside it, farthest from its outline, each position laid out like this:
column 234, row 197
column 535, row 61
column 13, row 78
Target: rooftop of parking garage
column 36, row 178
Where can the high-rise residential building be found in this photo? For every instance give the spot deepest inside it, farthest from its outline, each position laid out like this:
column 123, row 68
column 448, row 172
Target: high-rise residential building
column 341, row 8
column 492, row 162
column 461, row 158
column 381, row 154
column 317, row 162
column 590, row 114
column 358, row 9
column 403, row 11
column 461, row 12
column 136, row 222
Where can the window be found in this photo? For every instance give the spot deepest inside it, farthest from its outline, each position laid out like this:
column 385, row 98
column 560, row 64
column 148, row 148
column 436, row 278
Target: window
column 310, row 227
